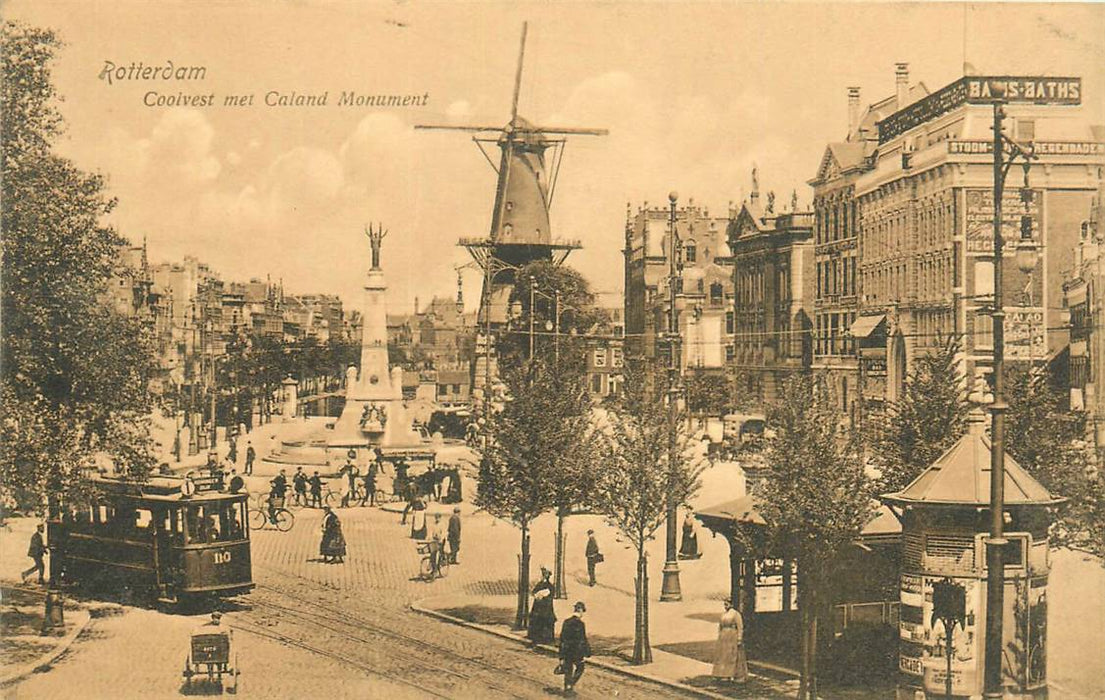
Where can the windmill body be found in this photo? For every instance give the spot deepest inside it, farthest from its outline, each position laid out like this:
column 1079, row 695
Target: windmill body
column 520, row 231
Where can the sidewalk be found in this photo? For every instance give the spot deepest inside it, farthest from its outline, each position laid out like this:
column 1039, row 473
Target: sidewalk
column 683, row 638
column 23, row 647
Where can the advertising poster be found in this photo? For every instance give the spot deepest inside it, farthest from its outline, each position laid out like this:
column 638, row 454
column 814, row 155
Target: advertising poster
column 965, row 642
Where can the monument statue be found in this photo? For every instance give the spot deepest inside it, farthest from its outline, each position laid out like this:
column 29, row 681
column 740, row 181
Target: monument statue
column 375, row 239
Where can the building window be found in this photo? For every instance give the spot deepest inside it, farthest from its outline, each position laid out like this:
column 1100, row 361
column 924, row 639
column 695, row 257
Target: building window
column 616, row 357
column 729, row 353
column 690, row 253
column 596, row 383
column 600, row 357
column 729, row 322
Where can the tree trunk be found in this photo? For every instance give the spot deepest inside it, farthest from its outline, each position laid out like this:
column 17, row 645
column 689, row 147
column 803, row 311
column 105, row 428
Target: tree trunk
column 558, row 577
column 804, row 620
column 642, row 650
column 521, row 617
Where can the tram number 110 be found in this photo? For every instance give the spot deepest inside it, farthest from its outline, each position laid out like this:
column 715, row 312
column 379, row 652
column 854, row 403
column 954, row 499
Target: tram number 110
column 222, row 557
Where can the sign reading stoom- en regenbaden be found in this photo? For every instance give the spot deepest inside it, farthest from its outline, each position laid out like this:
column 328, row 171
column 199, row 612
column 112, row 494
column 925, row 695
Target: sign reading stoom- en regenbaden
column 1040, row 148
column 982, row 90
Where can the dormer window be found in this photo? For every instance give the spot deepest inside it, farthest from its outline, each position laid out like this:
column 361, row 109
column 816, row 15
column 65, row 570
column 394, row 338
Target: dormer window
column 510, row 206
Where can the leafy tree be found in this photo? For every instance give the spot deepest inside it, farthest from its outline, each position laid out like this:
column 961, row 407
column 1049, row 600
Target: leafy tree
column 577, row 316
column 529, row 437
column 816, row 499
column 1049, row 442
column 74, row 379
column 648, row 463
column 928, row 419
column 707, row 394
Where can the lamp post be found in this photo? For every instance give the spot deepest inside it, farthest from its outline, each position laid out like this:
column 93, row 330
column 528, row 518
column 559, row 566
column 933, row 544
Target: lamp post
column 995, row 554
column 532, row 291
column 670, row 590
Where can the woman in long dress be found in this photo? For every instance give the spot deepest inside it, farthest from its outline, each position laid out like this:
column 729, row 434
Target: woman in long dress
column 542, row 616
column 730, row 662
column 332, row 547
column 689, row 549
column 418, row 519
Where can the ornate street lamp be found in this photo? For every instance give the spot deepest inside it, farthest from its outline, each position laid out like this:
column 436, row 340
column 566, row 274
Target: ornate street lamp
column 995, row 554
column 670, row 590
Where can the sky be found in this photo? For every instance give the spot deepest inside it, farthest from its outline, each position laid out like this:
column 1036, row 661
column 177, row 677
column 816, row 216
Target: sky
column 693, row 94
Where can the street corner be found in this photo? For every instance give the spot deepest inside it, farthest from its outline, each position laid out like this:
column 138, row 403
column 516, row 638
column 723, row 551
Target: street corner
column 29, row 645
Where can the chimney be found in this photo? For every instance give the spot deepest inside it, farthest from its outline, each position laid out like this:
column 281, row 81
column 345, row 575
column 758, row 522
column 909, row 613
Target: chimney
column 853, row 109
column 416, row 306
column 901, row 77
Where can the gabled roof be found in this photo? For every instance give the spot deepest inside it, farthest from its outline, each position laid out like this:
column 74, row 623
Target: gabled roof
column 961, row 476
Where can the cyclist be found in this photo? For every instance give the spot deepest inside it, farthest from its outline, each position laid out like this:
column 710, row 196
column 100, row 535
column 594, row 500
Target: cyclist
column 279, row 485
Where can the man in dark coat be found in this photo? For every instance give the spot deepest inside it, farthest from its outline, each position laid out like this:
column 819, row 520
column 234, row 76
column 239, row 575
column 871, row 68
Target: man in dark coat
column 36, row 551
column 573, row 647
column 251, row 454
column 368, row 481
column 237, row 483
column 299, row 484
column 454, row 535
column 316, row 490
column 279, row 485
column 593, row 555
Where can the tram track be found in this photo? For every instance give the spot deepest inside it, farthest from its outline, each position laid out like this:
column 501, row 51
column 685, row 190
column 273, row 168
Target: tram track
column 250, row 628
column 405, row 651
column 428, row 655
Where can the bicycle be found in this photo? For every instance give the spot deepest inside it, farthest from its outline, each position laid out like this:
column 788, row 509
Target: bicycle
column 426, row 566
column 283, row 519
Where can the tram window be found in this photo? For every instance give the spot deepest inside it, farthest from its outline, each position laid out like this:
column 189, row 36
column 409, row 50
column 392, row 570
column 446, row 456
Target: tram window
column 232, row 522
column 102, row 514
column 143, row 519
column 192, row 518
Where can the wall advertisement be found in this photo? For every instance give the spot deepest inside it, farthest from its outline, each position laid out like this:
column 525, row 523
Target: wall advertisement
column 980, row 218
column 928, row 634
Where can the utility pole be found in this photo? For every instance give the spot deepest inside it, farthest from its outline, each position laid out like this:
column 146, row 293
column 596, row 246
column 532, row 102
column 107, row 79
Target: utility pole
column 670, row 590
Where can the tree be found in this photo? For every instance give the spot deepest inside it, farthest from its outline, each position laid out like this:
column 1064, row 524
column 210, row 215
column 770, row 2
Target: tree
column 529, row 437
column 927, row 420
column 707, row 394
column 74, row 379
column 1049, row 442
column 816, row 499
column 562, row 343
column 648, row 462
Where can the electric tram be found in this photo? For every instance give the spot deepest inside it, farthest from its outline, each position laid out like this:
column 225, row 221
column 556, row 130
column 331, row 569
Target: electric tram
column 176, row 538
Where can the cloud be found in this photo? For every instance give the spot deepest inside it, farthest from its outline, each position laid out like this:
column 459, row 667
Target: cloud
column 179, row 148
column 461, row 109
column 233, row 158
column 304, row 178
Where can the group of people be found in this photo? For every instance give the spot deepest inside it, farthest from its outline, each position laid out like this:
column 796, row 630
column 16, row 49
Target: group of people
column 443, row 540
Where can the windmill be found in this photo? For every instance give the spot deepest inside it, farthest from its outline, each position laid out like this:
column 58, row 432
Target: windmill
column 520, row 231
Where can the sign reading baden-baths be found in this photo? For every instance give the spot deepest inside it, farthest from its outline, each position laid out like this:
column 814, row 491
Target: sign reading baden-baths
column 981, row 90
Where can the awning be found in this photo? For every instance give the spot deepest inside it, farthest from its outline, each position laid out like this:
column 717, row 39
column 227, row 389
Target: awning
column 864, row 326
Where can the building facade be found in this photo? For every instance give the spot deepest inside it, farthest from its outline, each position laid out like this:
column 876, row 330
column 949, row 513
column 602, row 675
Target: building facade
column 1084, row 300
column 926, row 223
column 703, row 285
column 771, row 314
column 838, row 341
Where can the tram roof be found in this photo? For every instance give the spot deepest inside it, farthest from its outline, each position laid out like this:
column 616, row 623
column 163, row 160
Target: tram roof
column 157, row 488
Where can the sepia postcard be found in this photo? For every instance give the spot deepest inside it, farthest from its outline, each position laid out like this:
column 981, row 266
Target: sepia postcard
column 521, row 349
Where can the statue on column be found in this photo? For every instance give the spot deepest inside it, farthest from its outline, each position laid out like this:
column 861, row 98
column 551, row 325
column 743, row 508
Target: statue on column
column 375, row 239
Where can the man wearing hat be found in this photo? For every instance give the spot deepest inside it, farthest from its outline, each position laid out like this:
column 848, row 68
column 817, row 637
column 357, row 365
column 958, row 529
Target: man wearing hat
column 594, row 556
column 454, row 535
column 573, row 646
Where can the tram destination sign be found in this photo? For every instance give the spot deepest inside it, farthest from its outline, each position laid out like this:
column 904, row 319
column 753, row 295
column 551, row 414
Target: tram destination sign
column 980, row 90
